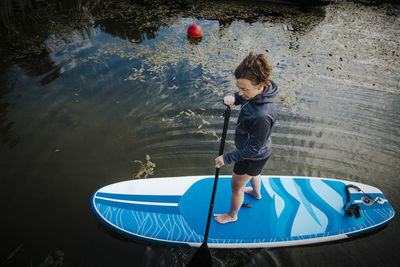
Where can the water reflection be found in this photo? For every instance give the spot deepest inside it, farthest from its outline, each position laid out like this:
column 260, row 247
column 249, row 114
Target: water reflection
column 7, row 134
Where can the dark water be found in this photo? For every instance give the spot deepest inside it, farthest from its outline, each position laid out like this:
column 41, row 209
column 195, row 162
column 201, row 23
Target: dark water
column 117, row 88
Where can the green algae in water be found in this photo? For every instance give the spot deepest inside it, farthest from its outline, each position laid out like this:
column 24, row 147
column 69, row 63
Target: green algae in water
column 324, row 44
column 215, row 58
column 145, row 168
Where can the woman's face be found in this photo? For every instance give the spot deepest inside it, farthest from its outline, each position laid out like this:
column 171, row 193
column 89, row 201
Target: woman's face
column 247, row 90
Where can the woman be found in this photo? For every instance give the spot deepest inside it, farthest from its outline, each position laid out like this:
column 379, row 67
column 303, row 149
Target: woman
column 257, row 94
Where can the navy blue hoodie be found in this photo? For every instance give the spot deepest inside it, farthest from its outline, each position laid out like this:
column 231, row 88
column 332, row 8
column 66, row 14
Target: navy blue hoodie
column 253, row 128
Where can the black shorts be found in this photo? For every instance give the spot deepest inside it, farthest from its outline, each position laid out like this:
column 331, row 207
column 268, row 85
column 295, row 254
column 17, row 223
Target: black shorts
column 250, row 167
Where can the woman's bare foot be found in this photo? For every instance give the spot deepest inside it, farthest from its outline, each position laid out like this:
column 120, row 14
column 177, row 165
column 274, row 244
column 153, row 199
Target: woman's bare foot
column 250, row 191
column 225, row 218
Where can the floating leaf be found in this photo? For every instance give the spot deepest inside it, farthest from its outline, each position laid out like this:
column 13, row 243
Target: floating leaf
column 15, row 251
column 145, row 169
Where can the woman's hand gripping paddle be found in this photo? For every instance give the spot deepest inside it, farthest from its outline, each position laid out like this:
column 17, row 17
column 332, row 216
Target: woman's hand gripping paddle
column 202, row 257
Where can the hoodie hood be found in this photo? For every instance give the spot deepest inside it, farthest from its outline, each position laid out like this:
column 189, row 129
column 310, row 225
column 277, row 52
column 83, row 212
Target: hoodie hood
column 269, row 95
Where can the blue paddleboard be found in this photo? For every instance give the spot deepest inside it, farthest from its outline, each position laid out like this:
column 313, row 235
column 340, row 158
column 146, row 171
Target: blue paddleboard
column 292, row 211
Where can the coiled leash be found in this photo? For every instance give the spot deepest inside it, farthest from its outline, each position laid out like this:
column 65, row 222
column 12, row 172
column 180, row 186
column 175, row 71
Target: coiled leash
column 354, row 209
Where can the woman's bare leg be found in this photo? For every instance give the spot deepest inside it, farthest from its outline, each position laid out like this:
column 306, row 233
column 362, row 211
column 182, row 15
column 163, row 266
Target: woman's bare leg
column 256, row 187
column 238, row 183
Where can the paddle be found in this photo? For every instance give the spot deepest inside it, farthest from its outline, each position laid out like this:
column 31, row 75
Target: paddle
column 202, row 257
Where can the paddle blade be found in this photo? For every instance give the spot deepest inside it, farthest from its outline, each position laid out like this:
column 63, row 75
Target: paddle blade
column 201, row 258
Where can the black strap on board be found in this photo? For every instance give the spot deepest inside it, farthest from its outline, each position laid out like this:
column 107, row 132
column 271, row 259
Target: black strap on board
column 354, row 209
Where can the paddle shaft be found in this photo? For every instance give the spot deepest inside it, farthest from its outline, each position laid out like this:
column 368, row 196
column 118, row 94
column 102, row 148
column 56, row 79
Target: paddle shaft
column 202, row 256
column 227, row 114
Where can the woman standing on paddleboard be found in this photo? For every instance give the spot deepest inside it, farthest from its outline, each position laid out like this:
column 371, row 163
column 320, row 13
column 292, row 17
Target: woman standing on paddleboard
column 256, row 95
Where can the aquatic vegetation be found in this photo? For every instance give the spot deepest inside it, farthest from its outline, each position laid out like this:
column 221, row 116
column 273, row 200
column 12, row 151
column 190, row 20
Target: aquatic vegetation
column 231, row 29
column 13, row 253
column 146, row 168
column 210, row 133
column 198, row 120
column 366, row 62
column 214, row 59
column 152, row 46
column 53, row 259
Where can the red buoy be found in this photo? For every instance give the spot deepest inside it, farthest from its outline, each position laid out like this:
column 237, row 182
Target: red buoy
column 195, row 31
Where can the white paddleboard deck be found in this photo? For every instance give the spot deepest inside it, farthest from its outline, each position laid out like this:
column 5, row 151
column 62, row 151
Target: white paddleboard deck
column 292, row 211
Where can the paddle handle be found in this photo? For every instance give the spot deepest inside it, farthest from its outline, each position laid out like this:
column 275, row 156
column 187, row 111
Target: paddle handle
column 227, row 114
